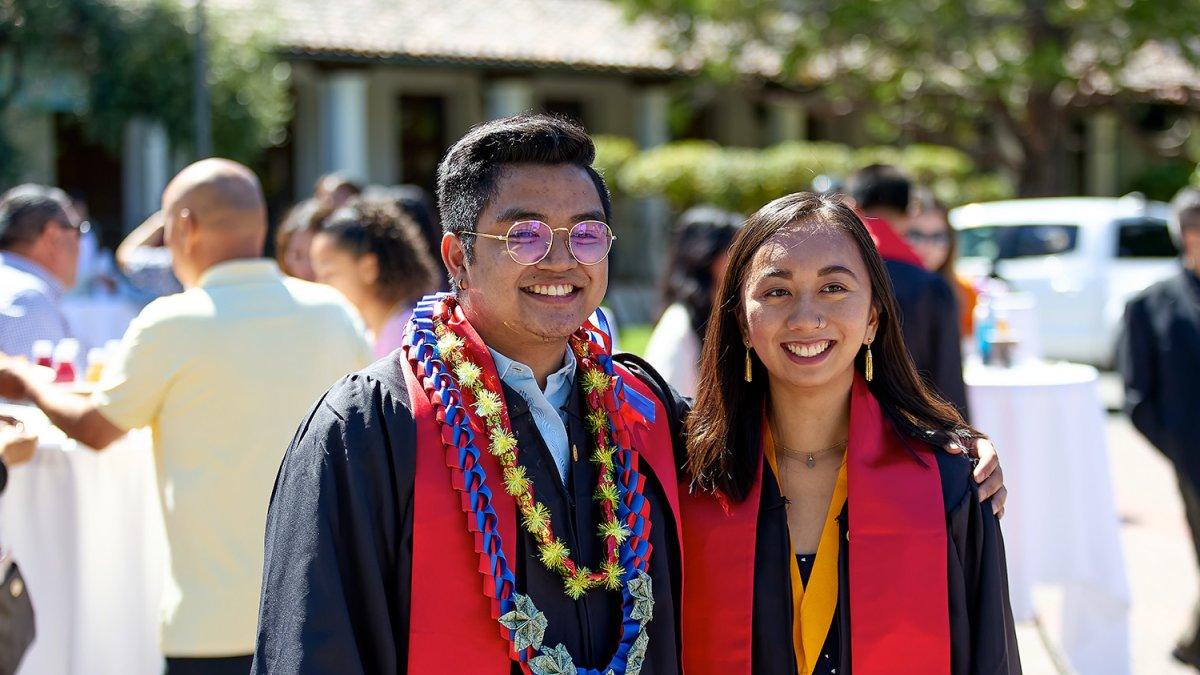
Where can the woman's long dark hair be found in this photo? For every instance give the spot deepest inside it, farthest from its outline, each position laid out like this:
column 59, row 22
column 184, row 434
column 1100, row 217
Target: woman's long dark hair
column 362, row 226
column 724, row 427
column 701, row 234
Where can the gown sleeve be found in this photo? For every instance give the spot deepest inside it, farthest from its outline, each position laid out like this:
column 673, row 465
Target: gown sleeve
column 337, row 570
column 983, row 634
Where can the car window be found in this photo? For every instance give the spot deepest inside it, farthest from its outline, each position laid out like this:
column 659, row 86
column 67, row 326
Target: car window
column 1144, row 238
column 1003, row 242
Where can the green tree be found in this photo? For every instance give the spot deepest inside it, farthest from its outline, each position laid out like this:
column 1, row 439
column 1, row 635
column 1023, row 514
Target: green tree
column 135, row 59
column 949, row 71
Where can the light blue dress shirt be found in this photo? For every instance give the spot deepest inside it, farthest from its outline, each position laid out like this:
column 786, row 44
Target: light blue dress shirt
column 546, row 406
column 30, row 305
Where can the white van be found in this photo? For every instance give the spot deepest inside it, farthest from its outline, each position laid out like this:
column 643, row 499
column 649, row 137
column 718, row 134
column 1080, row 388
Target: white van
column 1082, row 258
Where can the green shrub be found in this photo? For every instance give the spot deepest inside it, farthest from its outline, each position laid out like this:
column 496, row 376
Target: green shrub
column 743, row 179
column 612, row 152
column 668, row 171
column 1162, row 181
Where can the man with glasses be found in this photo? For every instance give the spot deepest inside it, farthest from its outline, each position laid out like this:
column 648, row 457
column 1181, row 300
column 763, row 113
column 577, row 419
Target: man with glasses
column 460, row 507
column 39, row 253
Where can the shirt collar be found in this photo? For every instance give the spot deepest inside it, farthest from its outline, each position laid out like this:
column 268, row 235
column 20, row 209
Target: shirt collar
column 246, row 270
column 514, row 373
column 23, row 264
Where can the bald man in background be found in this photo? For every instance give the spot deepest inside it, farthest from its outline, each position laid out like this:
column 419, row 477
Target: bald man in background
column 222, row 373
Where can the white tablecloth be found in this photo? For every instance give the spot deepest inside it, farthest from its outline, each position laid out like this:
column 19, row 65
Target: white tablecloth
column 87, row 532
column 1060, row 524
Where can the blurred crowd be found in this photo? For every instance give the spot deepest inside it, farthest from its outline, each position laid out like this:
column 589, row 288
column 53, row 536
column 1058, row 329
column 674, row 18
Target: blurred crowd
column 231, row 350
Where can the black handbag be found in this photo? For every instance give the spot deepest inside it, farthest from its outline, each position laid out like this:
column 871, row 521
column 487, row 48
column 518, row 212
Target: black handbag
column 16, row 620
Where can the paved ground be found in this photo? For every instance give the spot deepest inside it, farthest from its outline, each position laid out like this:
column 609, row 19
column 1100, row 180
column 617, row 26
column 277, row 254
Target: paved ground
column 1161, row 566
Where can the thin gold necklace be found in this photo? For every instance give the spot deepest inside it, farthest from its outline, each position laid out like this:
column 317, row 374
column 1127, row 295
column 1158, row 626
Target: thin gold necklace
column 810, row 458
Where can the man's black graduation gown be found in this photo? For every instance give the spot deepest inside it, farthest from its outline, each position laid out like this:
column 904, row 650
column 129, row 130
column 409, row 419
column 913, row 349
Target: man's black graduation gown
column 338, row 568
column 982, row 634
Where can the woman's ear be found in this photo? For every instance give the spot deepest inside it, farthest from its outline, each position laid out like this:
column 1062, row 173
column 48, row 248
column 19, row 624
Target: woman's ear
column 368, row 269
column 872, row 323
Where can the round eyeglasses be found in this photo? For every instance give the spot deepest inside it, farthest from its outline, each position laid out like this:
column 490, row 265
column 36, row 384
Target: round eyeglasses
column 529, row 241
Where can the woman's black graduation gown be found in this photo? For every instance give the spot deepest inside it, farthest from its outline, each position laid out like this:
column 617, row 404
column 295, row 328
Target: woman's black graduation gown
column 982, row 635
column 337, row 574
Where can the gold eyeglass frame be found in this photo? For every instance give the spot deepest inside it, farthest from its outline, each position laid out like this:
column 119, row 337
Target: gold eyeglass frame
column 504, row 238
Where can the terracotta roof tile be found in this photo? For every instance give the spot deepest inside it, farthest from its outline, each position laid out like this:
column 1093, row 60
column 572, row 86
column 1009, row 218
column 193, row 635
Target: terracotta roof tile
column 581, row 34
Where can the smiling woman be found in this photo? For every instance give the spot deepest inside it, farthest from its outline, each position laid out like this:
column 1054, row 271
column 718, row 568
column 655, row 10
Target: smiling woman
column 810, row 414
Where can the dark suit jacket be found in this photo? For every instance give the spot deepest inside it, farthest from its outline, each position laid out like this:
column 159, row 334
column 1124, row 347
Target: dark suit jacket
column 929, row 321
column 1159, row 357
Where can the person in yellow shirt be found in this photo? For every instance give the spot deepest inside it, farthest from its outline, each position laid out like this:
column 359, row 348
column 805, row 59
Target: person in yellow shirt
column 222, row 373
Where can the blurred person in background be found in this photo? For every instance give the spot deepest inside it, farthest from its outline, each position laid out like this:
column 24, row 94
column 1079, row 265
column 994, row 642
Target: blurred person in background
column 16, row 446
column 928, row 311
column 17, row 622
column 1158, row 355
column 95, row 266
column 415, row 203
column 39, row 258
column 933, row 239
column 293, row 239
column 699, row 255
column 221, row 373
column 375, row 256
column 146, row 261
column 333, row 189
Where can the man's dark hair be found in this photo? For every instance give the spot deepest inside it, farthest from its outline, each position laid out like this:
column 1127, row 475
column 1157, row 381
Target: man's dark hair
column 469, row 172
column 879, row 186
column 26, row 210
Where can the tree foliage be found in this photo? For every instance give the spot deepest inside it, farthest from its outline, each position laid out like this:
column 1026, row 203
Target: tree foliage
column 687, row 173
column 136, row 59
column 951, row 71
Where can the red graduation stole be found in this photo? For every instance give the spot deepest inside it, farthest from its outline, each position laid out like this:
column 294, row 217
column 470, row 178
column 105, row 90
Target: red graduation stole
column 899, row 608
column 890, row 244
column 451, row 629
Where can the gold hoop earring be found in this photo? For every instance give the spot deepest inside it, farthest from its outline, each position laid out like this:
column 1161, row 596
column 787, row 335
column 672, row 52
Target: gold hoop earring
column 749, row 366
column 870, row 364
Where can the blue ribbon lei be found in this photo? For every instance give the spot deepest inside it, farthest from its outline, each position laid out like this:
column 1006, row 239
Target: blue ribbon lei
column 422, row 351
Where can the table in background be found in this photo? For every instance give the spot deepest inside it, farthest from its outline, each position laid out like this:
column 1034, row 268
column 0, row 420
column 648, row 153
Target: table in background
column 1060, row 524
column 87, row 531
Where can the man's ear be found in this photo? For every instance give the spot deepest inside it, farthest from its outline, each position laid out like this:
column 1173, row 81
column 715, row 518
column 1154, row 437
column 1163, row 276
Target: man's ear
column 454, row 257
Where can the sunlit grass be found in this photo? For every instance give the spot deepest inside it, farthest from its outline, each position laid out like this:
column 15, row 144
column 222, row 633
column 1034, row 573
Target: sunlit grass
column 634, row 338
